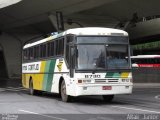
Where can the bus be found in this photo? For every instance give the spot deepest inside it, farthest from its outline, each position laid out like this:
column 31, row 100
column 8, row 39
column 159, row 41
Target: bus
column 79, row 62
column 146, row 61
column 146, row 68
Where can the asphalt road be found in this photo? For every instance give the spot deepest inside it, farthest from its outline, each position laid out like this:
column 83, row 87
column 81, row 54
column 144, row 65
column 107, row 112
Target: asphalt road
column 17, row 104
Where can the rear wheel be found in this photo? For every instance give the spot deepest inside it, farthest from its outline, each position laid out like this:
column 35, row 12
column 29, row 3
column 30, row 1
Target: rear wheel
column 108, row 98
column 64, row 96
column 32, row 91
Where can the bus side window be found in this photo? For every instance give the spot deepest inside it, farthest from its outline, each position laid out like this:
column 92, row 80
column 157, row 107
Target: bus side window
column 41, row 47
column 30, row 53
column 56, row 47
column 52, row 52
column 140, row 61
column 24, row 55
column 69, row 39
column 157, row 60
column 36, row 52
column 27, row 54
column 133, row 60
column 48, row 49
column 44, row 51
column 145, row 61
column 152, row 61
column 61, row 47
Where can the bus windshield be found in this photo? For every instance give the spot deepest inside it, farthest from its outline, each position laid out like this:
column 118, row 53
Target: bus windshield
column 102, row 56
column 117, row 56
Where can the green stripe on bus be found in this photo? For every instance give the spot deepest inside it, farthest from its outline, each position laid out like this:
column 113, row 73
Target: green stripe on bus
column 48, row 78
column 117, row 75
column 45, row 76
column 112, row 75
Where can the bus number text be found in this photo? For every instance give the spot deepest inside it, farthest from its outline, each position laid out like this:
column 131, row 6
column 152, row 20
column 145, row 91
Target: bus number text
column 92, row 76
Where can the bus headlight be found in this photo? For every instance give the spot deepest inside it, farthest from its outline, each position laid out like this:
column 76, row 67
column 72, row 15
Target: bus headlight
column 125, row 80
column 86, row 81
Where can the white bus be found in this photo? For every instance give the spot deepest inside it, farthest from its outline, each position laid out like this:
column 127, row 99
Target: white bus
column 77, row 62
column 149, row 61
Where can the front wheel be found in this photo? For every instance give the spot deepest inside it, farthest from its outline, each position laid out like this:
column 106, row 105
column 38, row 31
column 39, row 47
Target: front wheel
column 108, row 98
column 64, row 96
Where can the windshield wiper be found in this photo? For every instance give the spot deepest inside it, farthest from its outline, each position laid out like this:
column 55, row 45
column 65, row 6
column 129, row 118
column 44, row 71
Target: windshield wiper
column 94, row 71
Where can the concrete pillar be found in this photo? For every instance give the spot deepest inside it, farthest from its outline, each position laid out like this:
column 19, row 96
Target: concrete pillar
column 12, row 53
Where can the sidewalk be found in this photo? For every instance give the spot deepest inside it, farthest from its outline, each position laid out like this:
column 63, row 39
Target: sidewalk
column 146, row 85
column 4, row 82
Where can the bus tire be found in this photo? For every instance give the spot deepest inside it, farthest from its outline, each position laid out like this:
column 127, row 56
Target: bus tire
column 32, row 91
column 64, row 96
column 108, row 98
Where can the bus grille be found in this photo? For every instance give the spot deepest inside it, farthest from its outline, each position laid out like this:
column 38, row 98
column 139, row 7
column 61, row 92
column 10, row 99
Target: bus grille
column 100, row 80
column 113, row 80
column 106, row 80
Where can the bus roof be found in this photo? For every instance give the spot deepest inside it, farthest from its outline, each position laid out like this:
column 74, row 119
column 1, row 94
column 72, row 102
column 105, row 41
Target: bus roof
column 96, row 31
column 145, row 56
column 82, row 31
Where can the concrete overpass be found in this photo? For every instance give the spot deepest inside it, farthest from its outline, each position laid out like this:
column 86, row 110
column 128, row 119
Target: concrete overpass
column 35, row 19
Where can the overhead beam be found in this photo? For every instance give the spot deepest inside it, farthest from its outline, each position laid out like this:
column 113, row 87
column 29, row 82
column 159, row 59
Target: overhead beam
column 83, row 5
column 71, row 8
column 53, row 20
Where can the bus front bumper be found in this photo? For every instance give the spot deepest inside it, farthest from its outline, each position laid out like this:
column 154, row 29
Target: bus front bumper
column 103, row 89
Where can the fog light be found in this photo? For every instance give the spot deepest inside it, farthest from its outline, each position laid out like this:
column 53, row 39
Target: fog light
column 84, row 88
column 123, row 80
column 127, row 80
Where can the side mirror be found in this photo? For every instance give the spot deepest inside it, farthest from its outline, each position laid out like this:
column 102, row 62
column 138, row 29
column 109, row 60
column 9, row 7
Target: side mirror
column 72, row 61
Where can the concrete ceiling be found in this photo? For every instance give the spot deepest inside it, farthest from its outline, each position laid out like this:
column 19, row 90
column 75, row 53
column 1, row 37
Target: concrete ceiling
column 106, row 13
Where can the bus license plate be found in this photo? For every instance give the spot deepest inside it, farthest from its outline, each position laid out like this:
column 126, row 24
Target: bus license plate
column 106, row 87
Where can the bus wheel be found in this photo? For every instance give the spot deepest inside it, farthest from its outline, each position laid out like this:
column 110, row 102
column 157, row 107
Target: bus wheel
column 64, row 96
column 31, row 89
column 108, row 98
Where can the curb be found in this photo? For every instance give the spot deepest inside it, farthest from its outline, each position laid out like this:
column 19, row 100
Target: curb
column 146, row 85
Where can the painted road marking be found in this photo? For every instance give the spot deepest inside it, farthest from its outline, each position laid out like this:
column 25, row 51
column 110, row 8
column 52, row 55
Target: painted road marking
column 58, row 118
column 157, row 97
column 158, row 112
